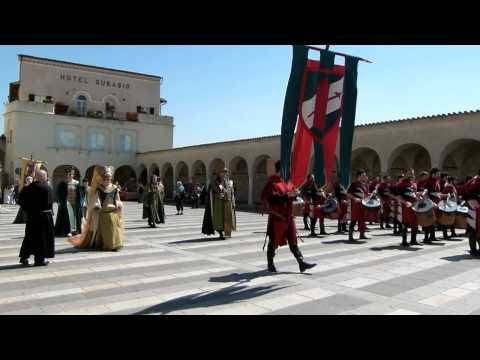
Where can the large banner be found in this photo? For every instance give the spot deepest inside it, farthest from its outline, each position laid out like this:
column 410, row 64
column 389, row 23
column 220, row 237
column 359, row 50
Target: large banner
column 320, row 101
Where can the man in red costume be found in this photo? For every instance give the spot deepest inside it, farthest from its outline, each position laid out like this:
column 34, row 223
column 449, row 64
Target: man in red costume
column 407, row 194
column 471, row 193
column 385, row 196
column 277, row 197
column 449, row 189
column 357, row 191
column 432, row 186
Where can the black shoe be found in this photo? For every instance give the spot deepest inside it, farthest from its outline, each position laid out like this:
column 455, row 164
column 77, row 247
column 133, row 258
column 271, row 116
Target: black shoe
column 41, row 263
column 388, row 226
column 404, row 244
column 313, row 234
column 305, row 266
column 24, row 262
column 364, row 237
column 414, row 242
column 322, row 230
column 271, row 268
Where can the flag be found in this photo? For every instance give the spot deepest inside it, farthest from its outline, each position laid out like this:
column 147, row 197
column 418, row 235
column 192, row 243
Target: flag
column 321, row 90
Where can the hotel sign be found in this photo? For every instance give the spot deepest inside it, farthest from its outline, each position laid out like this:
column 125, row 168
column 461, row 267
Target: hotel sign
column 98, row 82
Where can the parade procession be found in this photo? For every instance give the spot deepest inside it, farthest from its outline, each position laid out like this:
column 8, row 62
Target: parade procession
column 111, row 206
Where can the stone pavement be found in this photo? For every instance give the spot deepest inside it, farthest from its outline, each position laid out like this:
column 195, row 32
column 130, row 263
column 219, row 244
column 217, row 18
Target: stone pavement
column 174, row 269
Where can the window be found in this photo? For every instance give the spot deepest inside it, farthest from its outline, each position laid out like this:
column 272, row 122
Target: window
column 66, row 138
column 152, row 111
column 126, row 143
column 97, row 141
column 82, row 105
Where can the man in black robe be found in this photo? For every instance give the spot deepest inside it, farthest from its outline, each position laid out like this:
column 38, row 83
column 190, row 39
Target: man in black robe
column 39, row 240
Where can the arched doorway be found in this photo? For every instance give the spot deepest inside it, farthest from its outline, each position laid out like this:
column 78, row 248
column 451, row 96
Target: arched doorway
column 167, row 179
column 366, row 159
column 182, row 172
column 60, row 174
column 154, row 170
column 126, row 177
column 259, row 176
column 461, row 158
column 409, row 156
column 239, row 174
column 199, row 172
column 143, row 177
column 215, row 166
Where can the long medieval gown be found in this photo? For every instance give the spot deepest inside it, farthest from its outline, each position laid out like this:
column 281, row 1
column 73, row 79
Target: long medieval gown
column 103, row 227
column 151, row 204
column 69, row 213
column 36, row 200
column 220, row 209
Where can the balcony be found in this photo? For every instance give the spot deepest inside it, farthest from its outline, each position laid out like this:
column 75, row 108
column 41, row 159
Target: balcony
column 70, row 109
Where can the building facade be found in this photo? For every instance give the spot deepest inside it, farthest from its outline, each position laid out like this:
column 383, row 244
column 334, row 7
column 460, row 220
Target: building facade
column 73, row 114
column 450, row 142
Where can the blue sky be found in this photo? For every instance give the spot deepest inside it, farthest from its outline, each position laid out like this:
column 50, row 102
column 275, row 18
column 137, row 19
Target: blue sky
column 219, row 93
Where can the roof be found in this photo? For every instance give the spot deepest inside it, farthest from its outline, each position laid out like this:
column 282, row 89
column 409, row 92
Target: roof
column 388, row 122
column 21, row 56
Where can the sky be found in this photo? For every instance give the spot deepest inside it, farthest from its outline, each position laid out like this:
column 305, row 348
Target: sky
column 220, row 93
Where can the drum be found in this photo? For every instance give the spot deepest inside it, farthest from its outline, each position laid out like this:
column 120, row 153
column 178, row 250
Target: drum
column 461, row 217
column 424, row 211
column 298, row 207
column 447, row 212
column 371, row 208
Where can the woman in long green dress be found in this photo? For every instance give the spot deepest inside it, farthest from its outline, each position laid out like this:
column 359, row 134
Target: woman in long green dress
column 103, row 228
column 151, row 202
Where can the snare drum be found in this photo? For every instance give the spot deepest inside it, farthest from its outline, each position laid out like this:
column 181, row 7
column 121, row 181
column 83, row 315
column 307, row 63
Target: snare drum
column 461, row 217
column 447, row 213
column 371, row 209
column 424, row 212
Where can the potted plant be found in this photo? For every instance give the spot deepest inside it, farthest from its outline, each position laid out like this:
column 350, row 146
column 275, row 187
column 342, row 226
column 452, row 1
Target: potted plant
column 132, row 116
column 31, row 97
column 73, row 112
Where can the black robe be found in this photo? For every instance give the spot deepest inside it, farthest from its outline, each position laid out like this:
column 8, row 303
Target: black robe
column 62, row 224
column 36, row 200
column 21, row 217
column 207, row 226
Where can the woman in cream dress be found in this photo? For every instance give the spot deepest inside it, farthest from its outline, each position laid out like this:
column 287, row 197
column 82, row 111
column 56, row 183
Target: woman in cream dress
column 103, row 227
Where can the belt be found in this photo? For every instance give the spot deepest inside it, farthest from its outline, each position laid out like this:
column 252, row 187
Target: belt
column 47, row 211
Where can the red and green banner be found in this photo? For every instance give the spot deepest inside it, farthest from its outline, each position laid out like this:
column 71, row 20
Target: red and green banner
column 324, row 98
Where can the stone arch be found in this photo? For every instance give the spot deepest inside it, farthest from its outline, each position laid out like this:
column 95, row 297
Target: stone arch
column 167, row 179
column 126, row 177
column 199, row 172
column 154, row 170
column 142, row 174
column 181, row 172
column 59, row 174
column 461, row 158
column 367, row 159
column 238, row 168
column 409, row 156
column 215, row 165
column 259, row 171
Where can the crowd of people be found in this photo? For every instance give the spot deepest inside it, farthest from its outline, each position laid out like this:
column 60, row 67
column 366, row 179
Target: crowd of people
column 91, row 216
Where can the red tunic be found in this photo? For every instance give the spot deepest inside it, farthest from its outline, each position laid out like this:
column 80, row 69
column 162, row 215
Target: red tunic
column 358, row 191
column 384, row 193
column 281, row 222
column 407, row 190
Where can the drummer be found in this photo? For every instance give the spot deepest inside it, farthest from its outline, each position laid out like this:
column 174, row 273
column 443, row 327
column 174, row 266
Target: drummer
column 450, row 189
column 318, row 197
column 432, row 190
column 341, row 196
column 421, row 181
column 395, row 206
column 406, row 190
column 385, row 197
column 305, row 193
column 357, row 191
column 471, row 191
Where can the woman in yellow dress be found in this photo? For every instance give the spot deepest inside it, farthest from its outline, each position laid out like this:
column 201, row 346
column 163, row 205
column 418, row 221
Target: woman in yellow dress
column 103, row 227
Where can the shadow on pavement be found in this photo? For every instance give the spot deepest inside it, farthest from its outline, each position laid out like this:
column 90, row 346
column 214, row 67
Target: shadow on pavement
column 355, row 242
column 71, row 250
column 224, row 296
column 245, row 277
column 200, row 240
column 456, row 258
column 13, row 267
column 394, row 247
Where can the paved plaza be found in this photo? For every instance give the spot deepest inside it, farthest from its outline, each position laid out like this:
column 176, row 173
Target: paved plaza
column 174, row 269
